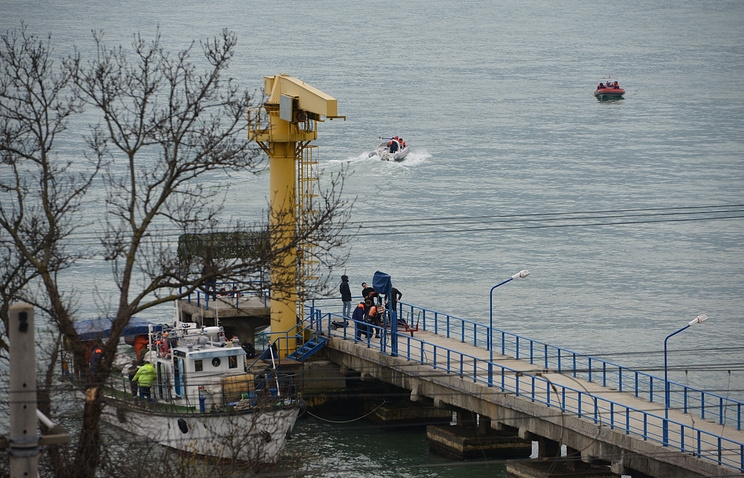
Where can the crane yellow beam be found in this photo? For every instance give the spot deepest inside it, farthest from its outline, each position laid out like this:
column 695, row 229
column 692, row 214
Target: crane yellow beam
column 310, row 98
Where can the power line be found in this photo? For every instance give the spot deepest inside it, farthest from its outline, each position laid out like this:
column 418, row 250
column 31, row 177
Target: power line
column 559, row 215
column 550, row 220
column 508, row 222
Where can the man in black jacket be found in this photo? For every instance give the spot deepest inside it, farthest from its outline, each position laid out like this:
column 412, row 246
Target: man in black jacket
column 345, row 295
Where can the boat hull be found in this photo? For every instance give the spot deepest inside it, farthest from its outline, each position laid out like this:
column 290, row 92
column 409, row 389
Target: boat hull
column 385, row 155
column 609, row 93
column 256, row 435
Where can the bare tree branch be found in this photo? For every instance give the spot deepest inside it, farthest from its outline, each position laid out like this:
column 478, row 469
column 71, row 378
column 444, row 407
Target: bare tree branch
column 163, row 122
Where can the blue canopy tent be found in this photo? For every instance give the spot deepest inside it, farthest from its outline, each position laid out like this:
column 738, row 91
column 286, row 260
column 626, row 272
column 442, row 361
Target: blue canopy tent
column 383, row 285
column 100, row 328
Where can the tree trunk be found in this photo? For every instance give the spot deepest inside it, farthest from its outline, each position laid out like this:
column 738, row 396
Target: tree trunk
column 89, row 444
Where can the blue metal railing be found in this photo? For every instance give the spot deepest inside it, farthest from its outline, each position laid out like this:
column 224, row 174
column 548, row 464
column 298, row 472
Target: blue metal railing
column 709, row 406
column 255, row 289
column 613, row 414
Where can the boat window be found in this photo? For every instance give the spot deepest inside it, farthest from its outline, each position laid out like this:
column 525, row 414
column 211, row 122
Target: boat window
column 216, row 362
column 198, row 366
column 232, row 361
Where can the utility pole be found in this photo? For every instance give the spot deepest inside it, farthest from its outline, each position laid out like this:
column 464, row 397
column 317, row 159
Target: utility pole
column 24, row 436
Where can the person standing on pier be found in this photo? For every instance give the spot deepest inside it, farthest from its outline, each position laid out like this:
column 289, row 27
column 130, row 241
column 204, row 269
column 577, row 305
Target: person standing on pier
column 360, row 326
column 372, row 316
column 345, row 295
column 366, row 290
column 369, row 293
column 395, row 296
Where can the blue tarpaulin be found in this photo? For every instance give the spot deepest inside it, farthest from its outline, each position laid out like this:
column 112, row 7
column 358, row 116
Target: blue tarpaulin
column 383, row 285
column 101, row 328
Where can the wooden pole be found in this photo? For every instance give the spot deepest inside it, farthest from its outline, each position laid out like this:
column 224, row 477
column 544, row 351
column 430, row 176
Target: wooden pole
column 24, row 436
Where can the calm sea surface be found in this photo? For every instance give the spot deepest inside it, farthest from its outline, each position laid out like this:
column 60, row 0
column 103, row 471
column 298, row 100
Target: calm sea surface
column 628, row 214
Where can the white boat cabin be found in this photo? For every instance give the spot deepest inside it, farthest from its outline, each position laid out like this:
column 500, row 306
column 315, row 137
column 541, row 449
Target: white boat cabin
column 200, row 368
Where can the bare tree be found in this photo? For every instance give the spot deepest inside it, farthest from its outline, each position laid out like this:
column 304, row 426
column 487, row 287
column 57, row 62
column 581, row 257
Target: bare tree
column 34, row 110
column 163, row 122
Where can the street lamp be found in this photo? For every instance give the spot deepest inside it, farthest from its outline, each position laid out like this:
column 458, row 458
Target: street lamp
column 667, row 402
column 519, row 275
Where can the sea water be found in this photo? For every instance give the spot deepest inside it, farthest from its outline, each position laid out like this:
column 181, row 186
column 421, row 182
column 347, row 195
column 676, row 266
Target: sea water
column 628, row 214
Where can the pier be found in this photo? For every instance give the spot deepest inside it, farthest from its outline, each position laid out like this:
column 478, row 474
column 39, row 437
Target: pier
column 597, row 412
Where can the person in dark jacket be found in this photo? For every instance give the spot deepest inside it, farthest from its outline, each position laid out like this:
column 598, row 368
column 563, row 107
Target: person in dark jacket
column 345, row 295
column 395, row 296
column 95, row 357
column 373, row 316
column 366, row 290
column 370, row 293
column 359, row 325
column 131, row 373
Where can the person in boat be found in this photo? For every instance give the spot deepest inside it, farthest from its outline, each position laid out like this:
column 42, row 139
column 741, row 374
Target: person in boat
column 140, row 344
column 600, row 85
column 95, row 356
column 616, row 85
column 131, row 372
column 144, row 378
column 164, row 344
column 392, row 146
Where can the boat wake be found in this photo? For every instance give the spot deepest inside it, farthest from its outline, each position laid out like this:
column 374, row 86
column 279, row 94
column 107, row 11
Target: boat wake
column 363, row 161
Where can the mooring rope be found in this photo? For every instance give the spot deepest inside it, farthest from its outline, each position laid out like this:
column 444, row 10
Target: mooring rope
column 347, row 421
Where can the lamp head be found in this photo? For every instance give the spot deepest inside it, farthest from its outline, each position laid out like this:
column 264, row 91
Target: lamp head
column 699, row 319
column 521, row 274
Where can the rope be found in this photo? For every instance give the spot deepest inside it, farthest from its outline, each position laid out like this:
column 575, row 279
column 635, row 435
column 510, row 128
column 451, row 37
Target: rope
column 347, row 421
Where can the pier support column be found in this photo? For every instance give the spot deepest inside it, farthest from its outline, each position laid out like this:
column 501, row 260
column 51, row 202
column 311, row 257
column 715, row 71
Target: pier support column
column 470, row 438
column 618, row 468
column 548, row 448
column 415, row 396
column 484, row 425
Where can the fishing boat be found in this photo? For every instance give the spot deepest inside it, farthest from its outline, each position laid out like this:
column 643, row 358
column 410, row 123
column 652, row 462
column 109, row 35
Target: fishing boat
column 608, row 91
column 391, row 149
column 206, row 400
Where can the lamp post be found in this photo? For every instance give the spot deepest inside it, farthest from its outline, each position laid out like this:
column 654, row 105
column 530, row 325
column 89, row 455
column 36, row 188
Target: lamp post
column 519, row 275
column 667, row 402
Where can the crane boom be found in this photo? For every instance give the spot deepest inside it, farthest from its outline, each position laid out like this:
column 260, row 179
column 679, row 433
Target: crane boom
column 310, row 98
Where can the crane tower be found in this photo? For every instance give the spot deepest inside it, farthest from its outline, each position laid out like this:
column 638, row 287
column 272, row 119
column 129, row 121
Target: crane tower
column 284, row 126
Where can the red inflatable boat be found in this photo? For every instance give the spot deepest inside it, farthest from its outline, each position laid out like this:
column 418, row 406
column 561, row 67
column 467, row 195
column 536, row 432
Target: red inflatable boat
column 609, row 93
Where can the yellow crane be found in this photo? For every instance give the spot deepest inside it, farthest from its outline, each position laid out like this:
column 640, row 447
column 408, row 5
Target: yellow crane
column 284, row 126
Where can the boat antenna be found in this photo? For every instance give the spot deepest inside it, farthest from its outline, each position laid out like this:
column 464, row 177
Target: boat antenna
column 276, row 374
